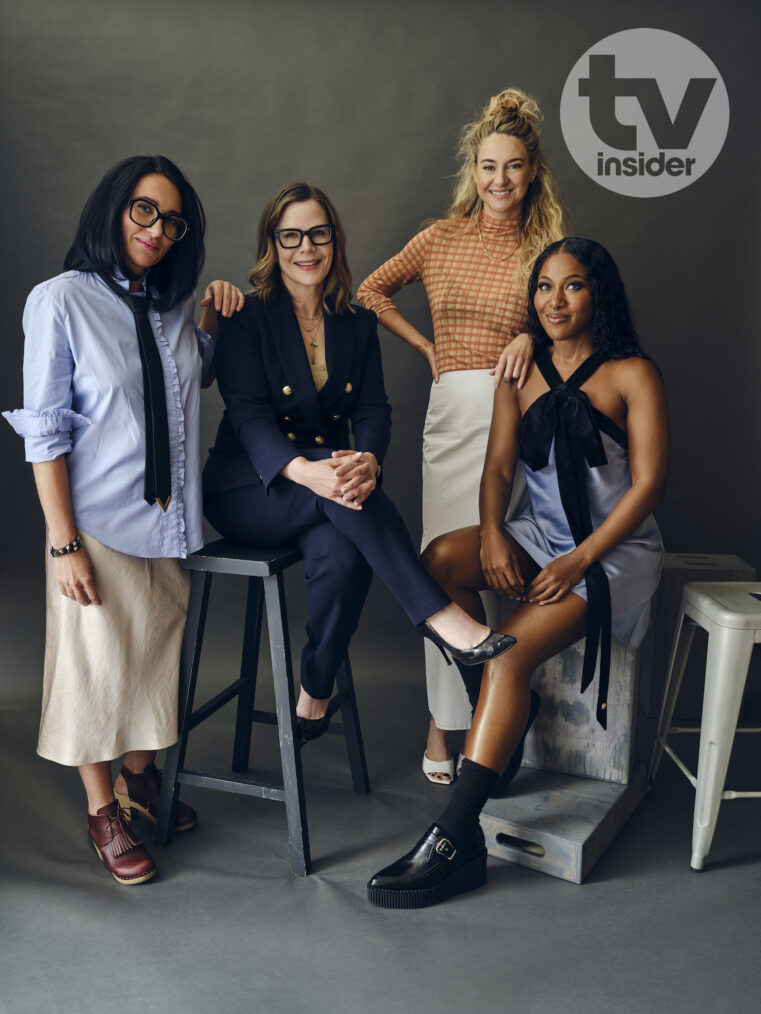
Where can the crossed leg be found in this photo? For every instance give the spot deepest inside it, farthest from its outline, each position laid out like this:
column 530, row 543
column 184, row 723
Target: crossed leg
column 541, row 631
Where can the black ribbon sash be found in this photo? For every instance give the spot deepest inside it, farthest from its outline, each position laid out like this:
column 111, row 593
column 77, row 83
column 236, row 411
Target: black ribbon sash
column 158, row 479
column 564, row 414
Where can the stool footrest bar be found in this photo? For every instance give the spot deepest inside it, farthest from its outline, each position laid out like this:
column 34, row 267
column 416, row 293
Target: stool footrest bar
column 682, row 766
column 216, row 702
column 202, row 781
column 265, row 717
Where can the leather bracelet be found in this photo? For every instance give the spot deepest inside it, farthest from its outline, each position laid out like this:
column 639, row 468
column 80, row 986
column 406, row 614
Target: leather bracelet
column 73, row 547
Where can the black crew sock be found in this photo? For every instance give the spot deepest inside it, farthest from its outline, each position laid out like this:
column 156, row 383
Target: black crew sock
column 470, row 792
column 471, row 676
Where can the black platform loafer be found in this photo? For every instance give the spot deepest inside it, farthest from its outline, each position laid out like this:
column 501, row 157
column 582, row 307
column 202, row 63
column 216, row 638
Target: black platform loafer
column 513, row 766
column 493, row 644
column 437, row 868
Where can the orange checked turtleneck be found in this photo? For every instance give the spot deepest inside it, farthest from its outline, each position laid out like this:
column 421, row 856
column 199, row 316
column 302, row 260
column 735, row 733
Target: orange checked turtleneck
column 471, row 279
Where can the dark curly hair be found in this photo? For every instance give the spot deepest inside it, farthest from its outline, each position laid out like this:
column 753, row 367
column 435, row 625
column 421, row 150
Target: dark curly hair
column 614, row 333
column 99, row 245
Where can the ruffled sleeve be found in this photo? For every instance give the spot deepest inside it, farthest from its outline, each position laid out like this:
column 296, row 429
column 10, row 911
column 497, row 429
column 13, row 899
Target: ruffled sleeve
column 47, row 420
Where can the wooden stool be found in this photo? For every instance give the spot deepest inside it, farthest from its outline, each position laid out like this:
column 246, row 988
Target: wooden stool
column 264, row 569
column 731, row 614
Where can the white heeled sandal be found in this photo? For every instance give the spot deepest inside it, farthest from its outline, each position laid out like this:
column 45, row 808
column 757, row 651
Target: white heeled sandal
column 441, row 767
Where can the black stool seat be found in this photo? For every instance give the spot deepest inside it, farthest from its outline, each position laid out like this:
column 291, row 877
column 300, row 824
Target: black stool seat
column 264, row 568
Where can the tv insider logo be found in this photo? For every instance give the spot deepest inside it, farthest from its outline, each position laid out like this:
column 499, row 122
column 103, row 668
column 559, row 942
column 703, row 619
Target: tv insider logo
column 644, row 112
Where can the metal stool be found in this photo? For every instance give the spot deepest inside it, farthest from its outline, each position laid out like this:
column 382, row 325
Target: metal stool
column 731, row 614
column 264, row 569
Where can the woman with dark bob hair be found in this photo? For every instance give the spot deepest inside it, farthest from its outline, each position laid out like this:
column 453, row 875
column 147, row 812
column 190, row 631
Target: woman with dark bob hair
column 113, row 366
column 591, row 429
column 296, row 367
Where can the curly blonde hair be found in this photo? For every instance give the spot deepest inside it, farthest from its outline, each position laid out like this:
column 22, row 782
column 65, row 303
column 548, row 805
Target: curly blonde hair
column 265, row 274
column 514, row 114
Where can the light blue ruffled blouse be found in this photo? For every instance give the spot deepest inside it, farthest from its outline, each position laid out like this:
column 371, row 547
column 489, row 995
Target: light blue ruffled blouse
column 83, row 397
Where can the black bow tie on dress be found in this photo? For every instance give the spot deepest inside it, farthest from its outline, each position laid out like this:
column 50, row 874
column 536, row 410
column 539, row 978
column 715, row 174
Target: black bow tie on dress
column 565, row 415
column 158, row 479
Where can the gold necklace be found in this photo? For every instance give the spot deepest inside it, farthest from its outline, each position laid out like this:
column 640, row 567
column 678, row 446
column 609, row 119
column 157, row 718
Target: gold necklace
column 496, row 260
column 312, row 342
column 314, row 327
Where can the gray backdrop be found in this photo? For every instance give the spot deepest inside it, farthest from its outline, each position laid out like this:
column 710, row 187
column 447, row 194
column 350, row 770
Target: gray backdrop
column 365, row 100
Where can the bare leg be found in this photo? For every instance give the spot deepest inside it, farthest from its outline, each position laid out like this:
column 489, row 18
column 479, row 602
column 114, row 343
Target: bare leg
column 454, row 561
column 311, row 707
column 503, row 704
column 420, row 877
column 437, row 749
column 96, row 779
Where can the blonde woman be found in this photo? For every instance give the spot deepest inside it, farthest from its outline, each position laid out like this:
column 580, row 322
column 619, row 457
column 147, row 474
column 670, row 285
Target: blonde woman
column 474, row 265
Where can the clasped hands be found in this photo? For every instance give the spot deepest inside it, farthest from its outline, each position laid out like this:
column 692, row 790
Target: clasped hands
column 347, row 477
column 501, row 568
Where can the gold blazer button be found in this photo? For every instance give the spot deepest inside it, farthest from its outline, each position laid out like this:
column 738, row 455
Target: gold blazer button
column 291, row 436
column 287, row 389
column 348, row 388
column 319, row 440
column 286, row 418
column 336, row 418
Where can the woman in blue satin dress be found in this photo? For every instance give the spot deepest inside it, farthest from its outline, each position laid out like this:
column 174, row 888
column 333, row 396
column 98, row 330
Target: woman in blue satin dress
column 590, row 426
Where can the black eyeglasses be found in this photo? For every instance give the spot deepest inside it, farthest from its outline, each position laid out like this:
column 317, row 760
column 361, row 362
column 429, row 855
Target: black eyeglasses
column 290, row 238
column 145, row 213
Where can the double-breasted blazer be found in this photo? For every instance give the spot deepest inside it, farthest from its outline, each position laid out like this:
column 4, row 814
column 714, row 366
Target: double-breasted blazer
column 273, row 411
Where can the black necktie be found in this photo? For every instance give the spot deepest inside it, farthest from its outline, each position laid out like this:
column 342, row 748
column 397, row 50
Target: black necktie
column 158, row 480
column 564, row 415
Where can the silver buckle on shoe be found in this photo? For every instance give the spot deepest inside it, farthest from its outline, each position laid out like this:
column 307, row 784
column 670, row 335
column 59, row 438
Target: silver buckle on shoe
column 445, row 848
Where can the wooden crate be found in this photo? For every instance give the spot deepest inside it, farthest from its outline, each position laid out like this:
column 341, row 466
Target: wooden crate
column 566, row 735
column 559, row 824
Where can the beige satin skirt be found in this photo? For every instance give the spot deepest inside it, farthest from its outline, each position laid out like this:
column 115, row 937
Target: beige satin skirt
column 111, row 671
column 454, row 448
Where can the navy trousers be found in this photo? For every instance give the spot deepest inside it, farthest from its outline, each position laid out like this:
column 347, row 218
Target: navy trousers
column 341, row 549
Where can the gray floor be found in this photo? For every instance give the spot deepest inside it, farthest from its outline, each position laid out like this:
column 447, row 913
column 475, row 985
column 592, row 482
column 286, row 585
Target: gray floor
column 225, row 928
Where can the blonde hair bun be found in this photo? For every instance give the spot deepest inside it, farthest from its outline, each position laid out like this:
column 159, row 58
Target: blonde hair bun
column 512, row 105
column 514, row 114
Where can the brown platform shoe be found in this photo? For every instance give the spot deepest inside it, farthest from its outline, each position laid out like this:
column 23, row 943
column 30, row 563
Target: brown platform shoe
column 143, row 797
column 118, row 848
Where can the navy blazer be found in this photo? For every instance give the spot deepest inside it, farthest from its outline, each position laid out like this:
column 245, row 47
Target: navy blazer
column 273, row 411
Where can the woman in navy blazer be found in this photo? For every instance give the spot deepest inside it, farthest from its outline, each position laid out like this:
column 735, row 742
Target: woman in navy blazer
column 295, row 367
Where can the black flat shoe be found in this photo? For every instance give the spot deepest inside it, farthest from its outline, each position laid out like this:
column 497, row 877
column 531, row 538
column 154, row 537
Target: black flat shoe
column 513, row 765
column 437, row 868
column 311, row 728
column 493, row 644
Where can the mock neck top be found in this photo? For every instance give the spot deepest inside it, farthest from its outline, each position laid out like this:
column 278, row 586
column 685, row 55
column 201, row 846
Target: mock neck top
column 470, row 275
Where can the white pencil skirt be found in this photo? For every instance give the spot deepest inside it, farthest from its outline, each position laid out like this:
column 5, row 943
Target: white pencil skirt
column 111, row 671
column 454, row 448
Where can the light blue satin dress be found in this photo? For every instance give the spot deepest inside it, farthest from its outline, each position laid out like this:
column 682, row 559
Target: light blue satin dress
column 577, row 469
